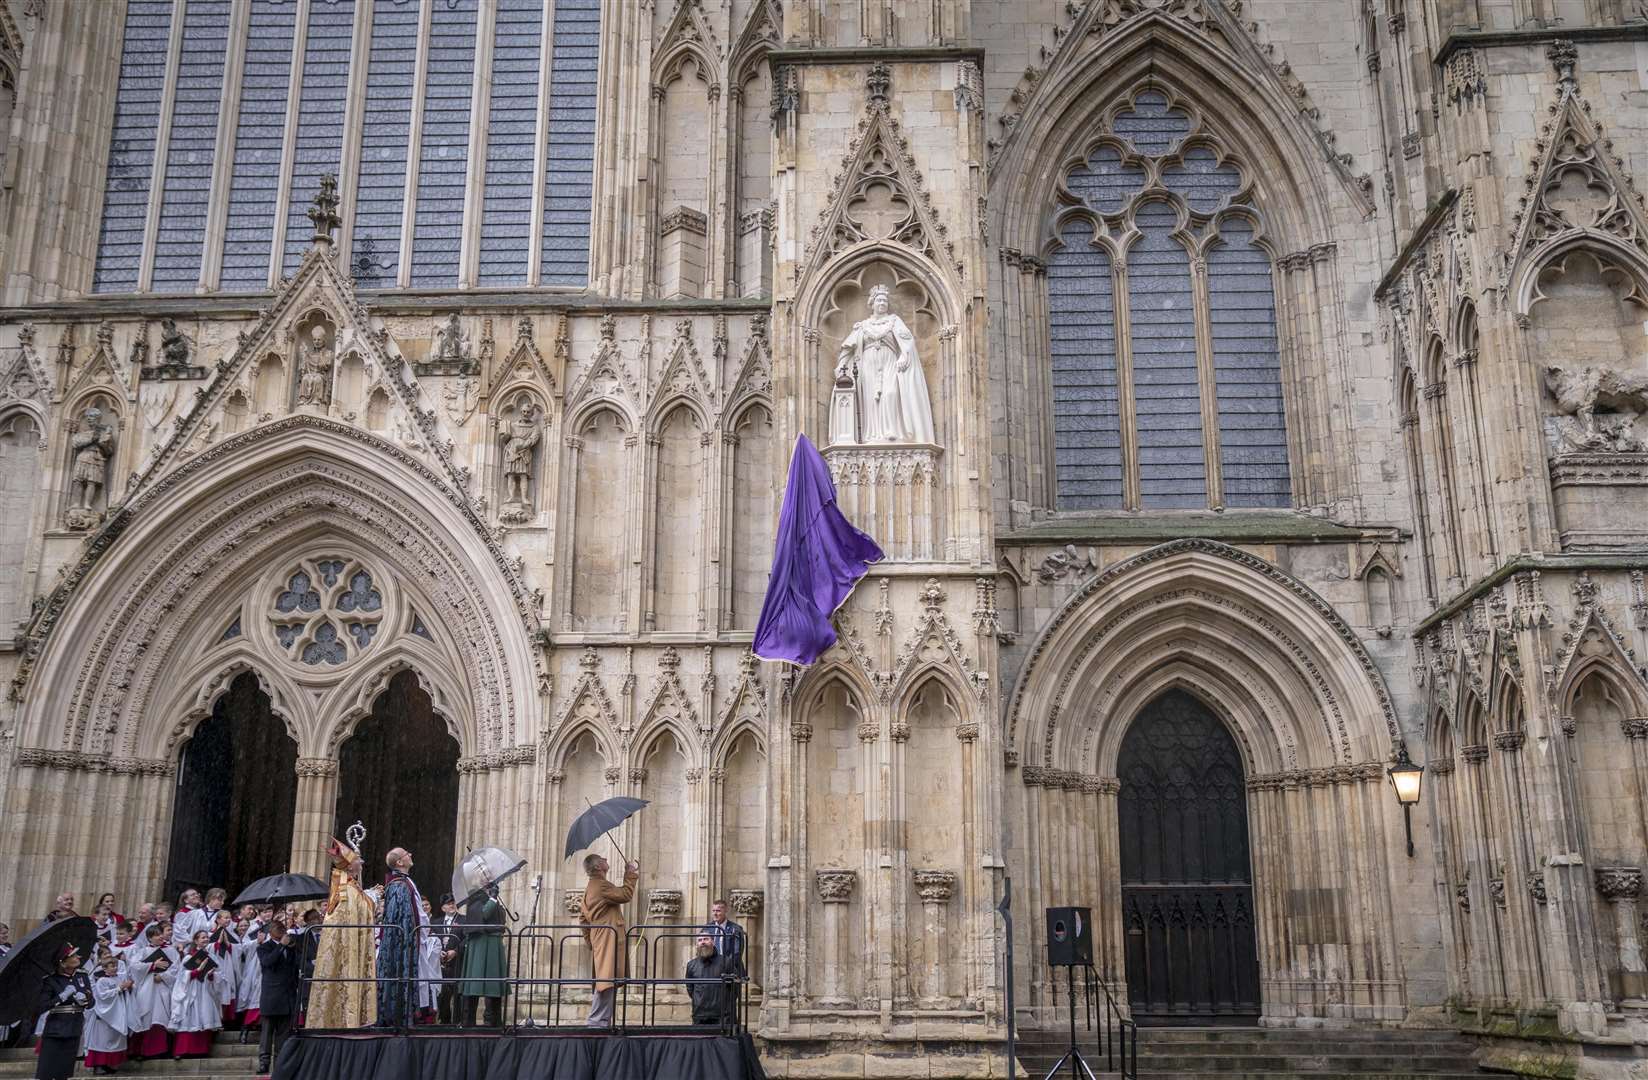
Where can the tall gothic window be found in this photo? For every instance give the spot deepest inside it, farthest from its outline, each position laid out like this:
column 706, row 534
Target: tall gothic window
column 1166, row 375
column 422, row 215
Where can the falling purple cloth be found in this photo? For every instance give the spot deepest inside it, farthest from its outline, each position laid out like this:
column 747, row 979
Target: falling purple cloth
column 817, row 560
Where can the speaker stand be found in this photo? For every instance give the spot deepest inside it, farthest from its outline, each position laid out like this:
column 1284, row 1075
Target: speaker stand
column 1079, row 1069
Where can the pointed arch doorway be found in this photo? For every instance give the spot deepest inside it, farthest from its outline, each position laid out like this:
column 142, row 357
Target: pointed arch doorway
column 398, row 776
column 236, row 798
column 1187, row 882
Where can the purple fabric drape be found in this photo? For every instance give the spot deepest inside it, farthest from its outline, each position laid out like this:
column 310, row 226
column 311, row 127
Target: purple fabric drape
column 817, row 560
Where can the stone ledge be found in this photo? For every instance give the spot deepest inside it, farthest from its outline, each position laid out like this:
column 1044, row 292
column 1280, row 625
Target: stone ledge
column 1498, row 39
column 1253, row 527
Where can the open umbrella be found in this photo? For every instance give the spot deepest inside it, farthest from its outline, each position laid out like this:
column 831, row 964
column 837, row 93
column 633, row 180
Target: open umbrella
column 35, row 957
column 283, row 889
column 481, row 869
column 599, row 820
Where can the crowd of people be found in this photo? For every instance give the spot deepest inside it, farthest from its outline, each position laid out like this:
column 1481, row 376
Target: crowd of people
column 163, row 982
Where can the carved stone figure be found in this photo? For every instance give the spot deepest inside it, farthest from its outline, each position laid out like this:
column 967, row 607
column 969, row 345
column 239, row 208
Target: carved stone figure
column 879, row 359
column 450, row 345
column 93, row 445
column 1597, row 409
column 521, row 437
column 315, row 370
column 174, row 347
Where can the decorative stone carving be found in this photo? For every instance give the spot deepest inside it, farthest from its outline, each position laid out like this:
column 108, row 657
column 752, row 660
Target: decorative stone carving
column 1619, row 883
column 663, row 903
column 452, row 353
column 175, row 353
column 1536, row 888
column 315, row 369
column 878, row 362
column 835, row 886
column 1065, row 562
column 1597, row 410
column 92, row 446
column 310, row 767
column 935, row 886
column 521, row 437
column 572, row 902
column 888, row 491
column 747, row 903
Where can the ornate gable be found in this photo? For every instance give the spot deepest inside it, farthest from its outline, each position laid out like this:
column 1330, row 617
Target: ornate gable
column 933, row 641
column 688, row 30
column 669, row 697
column 1591, row 634
column 754, row 379
column 589, row 700
column 683, row 373
column 878, row 196
column 748, row 699
column 1576, row 185
column 761, row 32
column 609, row 375
column 103, row 370
column 317, row 336
column 524, row 363
column 25, row 378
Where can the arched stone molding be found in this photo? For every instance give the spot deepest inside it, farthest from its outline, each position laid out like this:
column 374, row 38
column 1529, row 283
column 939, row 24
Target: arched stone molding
column 1609, row 250
column 1328, row 697
column 117, row 626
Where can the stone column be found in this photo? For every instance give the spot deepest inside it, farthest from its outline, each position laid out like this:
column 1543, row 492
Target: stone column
column 1620, row 886
column 746, row 908
column 835, row 889
column 312, row 823
column 666, row 952
column 935, row 888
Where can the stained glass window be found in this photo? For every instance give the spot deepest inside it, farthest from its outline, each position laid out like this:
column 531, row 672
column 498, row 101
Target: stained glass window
column 132, row 145
column 187, row 181
column 321, row 102
column 569, row 180
column 380, row 193
column 260, row 138
column 511, row 136
column 443, row 159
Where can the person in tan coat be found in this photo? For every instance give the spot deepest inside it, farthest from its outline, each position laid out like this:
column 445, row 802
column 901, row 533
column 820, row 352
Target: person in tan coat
column 603, row 906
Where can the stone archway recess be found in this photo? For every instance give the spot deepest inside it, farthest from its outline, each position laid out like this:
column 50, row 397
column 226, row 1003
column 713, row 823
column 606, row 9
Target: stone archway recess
column 1312, row 722
column 128, row 655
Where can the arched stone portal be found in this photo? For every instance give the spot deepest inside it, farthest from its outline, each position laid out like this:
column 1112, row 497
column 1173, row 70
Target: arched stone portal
column 398, row 776
column 237, row 791
column 1187, row 882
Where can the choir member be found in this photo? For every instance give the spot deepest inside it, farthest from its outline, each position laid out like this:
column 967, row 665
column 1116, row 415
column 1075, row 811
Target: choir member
column 154, row 967
column 196, row 1011
column 109, row 1023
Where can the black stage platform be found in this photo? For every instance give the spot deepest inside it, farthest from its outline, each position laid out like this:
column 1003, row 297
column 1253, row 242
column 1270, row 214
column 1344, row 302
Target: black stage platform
column 560, row 1055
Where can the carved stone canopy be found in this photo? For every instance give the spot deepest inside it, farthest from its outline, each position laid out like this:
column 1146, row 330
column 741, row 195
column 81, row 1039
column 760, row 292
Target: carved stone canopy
column 747, row 903
column 935, row 886
column 663, row 903
column 835, row 886
column 1619, row 883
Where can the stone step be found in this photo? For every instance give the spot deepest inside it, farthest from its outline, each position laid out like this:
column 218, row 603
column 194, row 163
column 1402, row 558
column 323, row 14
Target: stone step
column 191, row 1068
column 1257, row 1034
column 1306, row 1063
column 1148, row 1075
column 220, row 1052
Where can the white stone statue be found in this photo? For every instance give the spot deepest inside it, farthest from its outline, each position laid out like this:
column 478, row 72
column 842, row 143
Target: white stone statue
column 879, row 359
column 93, row 445
column 521, row 435
column 315, row 370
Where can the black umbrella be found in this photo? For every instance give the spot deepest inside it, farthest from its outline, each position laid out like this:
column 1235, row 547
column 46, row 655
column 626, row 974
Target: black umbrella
column 35, row 957
column 282, row 889
column 599, row 820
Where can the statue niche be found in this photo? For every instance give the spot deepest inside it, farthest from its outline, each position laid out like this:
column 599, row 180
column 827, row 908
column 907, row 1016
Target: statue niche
column 521, row 428
column 883, row 444
column 879, row 363
column 316, row 359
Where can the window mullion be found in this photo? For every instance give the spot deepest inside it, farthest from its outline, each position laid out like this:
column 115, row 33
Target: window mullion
column 1206, row 383
column 414, row 147
column 223, row 160
column 480, row 115
column 163, row 142
column 540, row 148
column 1125, row 411
column 349, row 152
column 289, row 146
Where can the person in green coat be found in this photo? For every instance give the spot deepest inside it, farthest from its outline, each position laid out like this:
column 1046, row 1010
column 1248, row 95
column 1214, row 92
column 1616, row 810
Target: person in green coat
column 485, row 967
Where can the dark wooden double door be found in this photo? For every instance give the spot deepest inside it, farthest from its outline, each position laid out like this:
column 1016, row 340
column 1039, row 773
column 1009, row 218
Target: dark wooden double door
column 1187, row 886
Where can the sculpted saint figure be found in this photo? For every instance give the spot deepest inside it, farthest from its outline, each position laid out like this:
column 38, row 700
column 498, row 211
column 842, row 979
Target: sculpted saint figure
column 315, row 370
column 93, row 445
column 522, row 435
column 173, row 345
column 880, row 358
column 449, row 341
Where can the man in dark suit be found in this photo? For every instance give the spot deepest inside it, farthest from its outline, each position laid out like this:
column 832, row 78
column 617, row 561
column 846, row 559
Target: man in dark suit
column 281, row 961
column 450, row 929
column 726, row 935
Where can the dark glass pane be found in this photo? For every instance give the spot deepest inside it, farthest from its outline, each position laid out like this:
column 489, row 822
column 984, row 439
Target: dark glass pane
column 192, row 145
column 380, row 193
column 1166, row 396
column 260, row 134
column 1087, row 444
column 569, row 177
column 132, row 145
column 443, row 159
column 321, row 103
column 511, row 139
column 1247, row 371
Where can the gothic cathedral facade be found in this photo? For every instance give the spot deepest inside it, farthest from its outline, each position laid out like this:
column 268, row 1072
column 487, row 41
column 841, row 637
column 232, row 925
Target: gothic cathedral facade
column 395, row 403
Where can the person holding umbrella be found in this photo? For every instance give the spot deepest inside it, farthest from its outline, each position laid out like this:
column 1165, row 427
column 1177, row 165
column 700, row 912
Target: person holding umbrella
column 603, row 906
column 65, row 995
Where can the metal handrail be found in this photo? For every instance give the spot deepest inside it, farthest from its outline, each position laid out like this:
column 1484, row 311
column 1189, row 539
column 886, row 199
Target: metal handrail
column 1120, row 1031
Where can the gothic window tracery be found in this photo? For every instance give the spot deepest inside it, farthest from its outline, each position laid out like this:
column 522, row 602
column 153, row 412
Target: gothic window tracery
column 1166, row 370
column 326, row 610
